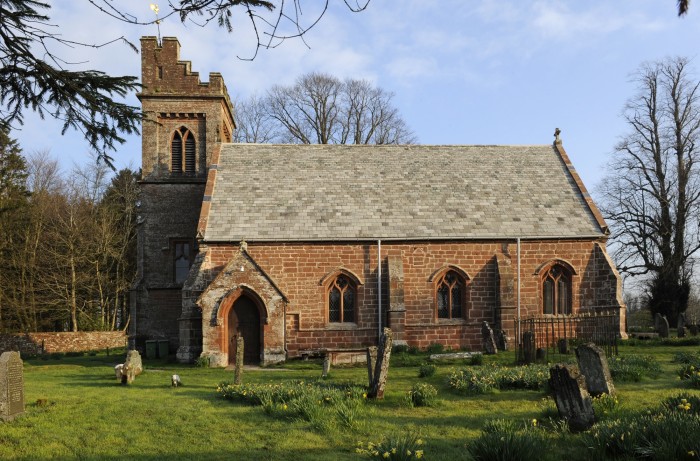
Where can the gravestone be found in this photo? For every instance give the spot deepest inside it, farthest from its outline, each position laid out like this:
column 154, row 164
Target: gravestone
column 541, row 354
column 694, row 329
column 11, row 386
column 371, row 362
column 681, row 325
column 528, row 347
column 487, row 339
column 563, row 345
column 657, row 322
column 501, row 340
column 381, row 367
column 133, row 366
column 573, row 401
column 663, row 326
column 326, row 365
column 238, row 367
column 594, row 366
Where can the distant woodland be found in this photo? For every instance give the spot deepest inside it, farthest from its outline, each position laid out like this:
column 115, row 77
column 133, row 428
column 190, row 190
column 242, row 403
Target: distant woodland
column 68, row 245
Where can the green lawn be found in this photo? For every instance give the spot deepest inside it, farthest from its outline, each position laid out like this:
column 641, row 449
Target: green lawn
column 88, row 415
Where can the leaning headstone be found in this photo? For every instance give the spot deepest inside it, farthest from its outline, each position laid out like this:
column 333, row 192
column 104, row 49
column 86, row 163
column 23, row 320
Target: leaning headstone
column 238, row 367
column 381, row 367
column 501, row 340
column 594, row 366
column 326, row 365
column 663, row 327
column 657, row 322
column 11, row 386
column 681, row 325
column 573, row 401
column 487, row 339
column 529, row 347
column 133, row 366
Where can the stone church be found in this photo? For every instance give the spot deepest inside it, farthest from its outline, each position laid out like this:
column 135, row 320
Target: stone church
column 301, row 248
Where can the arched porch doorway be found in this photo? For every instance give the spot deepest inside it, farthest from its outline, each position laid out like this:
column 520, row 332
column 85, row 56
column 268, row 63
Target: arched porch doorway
column 244, row 320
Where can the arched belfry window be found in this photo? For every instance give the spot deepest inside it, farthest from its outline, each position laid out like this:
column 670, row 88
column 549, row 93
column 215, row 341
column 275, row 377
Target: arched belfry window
column 183, row 151
column 450, row 295
column 556, row 290
column 342, row 299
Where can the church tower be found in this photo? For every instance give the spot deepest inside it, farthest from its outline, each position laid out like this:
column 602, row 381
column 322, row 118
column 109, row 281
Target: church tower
column 184, row 120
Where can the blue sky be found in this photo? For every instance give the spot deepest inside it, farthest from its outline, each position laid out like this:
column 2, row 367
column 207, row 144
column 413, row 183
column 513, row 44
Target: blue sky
column 463, row 72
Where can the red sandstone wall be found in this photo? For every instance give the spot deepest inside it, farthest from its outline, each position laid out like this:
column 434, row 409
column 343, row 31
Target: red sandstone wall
column 32, row 343
column 298, row 269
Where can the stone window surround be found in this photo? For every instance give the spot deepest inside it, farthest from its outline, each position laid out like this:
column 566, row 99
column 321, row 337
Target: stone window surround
column 544, row 272
column 437, row 278
column 329, row 282
column 186, row 134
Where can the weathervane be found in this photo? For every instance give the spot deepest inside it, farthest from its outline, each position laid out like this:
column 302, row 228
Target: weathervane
column 155, row 9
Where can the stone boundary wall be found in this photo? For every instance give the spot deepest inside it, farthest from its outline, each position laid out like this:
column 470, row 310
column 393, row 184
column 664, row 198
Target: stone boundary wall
column 36, row 343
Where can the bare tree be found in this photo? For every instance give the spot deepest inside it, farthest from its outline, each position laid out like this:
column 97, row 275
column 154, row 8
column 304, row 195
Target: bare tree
column 322, row 109
column 652, row 196
column 253, row 123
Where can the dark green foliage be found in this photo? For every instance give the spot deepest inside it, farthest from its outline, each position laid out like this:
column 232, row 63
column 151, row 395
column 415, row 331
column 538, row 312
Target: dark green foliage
column 33, row 77
column 476, row 359
column 426, row 370
column 435, row 348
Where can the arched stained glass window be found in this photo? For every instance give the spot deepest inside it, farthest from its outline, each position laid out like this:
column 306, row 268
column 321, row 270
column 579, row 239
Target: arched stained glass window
column 450, row 295
column 342, row 294
column 556, row 290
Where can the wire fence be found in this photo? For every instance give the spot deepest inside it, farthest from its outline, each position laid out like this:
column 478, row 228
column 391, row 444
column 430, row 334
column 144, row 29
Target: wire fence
column 546, row 337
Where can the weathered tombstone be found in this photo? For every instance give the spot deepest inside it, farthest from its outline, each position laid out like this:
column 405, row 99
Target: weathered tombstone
column 681, row 325
column 541, row 354
column 663, row 327
column 528, row 347
column 381, row 367
column 501, row 340
column 563, row 345
column 487, row 340
column 573, row 401
column 371, row 362
column 694, row 329
column 326, row 365
column 11, row 386
column 657, row 322
column 238, row 367
column 133, row 366
column 594, row 366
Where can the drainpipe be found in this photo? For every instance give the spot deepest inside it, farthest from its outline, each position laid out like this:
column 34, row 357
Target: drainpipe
column 379, row 287
column 518, row 251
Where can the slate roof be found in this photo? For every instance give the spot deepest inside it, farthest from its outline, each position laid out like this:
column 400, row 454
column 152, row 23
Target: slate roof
column 266, row 192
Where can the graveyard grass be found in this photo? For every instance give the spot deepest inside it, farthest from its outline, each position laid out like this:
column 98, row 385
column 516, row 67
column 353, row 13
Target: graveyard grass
column 75, row 409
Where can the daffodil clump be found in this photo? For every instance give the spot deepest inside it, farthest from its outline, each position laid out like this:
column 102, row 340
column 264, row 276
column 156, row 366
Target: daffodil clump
column 484, row 380
column 322, row 404
column 506, row 439
column 670, row 432
column 605, row 404
column 406, row 446
column 633, row 367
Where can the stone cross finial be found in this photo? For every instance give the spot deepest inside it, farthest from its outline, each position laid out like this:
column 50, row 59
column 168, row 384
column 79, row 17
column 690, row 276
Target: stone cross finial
column 557, row 139
column 244, row 245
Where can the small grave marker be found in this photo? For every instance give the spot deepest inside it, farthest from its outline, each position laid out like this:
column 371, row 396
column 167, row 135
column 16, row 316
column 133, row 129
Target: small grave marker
column 238, row 367
column 11, row 386
column 487, row 339
column 381, row 367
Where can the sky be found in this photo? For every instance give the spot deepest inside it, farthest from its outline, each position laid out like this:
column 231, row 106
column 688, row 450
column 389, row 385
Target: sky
column 462, row 71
